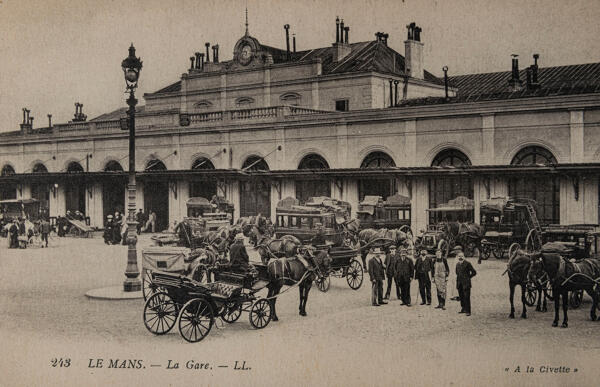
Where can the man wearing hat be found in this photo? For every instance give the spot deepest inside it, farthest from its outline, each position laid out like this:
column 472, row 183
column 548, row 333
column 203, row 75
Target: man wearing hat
column 238, row 256
column 390, row 266
column 464, row 273
column 319, row 238
column 108, row 230
column 423, row 266
column 404, row 272
column 377, row 275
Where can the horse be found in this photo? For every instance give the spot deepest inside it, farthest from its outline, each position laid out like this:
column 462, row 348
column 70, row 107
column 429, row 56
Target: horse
column 293, row 270
column 286, row 246
column 466, row 234
column 567, row 276
column 201, row 261
column 255, row 227
column 368, row 236
column 517, row 270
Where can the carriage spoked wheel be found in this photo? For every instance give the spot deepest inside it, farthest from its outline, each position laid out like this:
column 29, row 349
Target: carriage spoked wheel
column 548, row 291
column 512, row 250
column 575, row 299
column 148, row 287
column 195, row 320
column 485, row 251
column 160, row 313
column 530, row 294
column 260, row 313
column 354, row 274
column 323, row 283
column 531, row 241
column 498, row 251
column 232, row 312
column 470, row 248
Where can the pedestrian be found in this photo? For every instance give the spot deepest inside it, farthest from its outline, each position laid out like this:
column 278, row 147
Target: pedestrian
column 423, row 268
column 139, row 218
column 440, row 273
column 390, row 267
column 319, row 238
column 404, row 272
column 464, row 273
column 44, row 231
column 108, row 230
column 377, row 276
column 13, row 232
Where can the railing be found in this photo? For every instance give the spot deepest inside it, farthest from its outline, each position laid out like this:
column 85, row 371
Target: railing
column 115, row 124
column 261, row 113
column 72, row 126
column 249, row 114
column 206, row 117
column 300, row 111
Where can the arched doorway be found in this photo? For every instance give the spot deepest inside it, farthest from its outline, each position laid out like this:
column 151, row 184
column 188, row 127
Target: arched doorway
column 203, row 188
column 306, row 189
column 545, row 190
column 377, row 187
column 255, row 194
column 75, row 188
column 113, row 191
column 156, row 195
column 444, row 188
column 8, row 191
column 41, row 191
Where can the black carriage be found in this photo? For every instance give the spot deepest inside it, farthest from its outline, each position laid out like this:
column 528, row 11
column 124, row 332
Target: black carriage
column 393, row 213
column 197, row 305
column 343, row 265
column 509, row 225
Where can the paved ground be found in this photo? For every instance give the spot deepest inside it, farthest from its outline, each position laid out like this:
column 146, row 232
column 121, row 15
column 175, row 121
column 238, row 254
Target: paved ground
column 342, row 341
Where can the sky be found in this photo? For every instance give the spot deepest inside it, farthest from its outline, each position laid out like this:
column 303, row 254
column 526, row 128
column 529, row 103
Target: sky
column 54, row 53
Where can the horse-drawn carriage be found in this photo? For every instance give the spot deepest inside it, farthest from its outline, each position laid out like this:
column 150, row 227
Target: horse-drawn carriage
column 197, row 305
column 320, row 223
column 508, row 225
column 216, row 213
column 450, row 226
column 13, row 209
column 393, row 213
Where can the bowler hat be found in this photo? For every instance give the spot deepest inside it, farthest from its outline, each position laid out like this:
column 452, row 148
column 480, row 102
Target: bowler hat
column 376, row 250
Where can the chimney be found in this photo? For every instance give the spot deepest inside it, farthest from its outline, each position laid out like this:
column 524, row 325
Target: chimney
column 341, row 31
column 515, row 82
column 215, row 49
column 207, row 45
column 342, row 49
column 294, row 41
column 384, row 38
column 346, row 30
column 337, row 29
column 395, row 93
column 191, row 62
column 413, row 52
column 197, row 60
column 27, row 121
column 534, row 71
column 201, row 67
column 391, row 93
column 49, row 120
column 445, row 70
column 377, row 36
column 287, row 40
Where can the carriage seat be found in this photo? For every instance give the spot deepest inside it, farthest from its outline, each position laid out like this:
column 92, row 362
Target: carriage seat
column 224, row 290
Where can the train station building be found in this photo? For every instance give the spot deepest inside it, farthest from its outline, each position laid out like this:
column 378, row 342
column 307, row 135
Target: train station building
column 346, row 120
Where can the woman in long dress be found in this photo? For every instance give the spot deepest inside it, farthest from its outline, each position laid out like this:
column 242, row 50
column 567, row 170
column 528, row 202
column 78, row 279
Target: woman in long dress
column 440, row 278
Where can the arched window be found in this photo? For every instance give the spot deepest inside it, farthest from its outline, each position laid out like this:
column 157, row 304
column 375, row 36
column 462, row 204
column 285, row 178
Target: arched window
column 113, row 166
column 202, row 163
column 155, row 165
column 39, row 168
column 205, row 188
column 255, row 193
column 377, row 187
column 444, row 188
column 244, row 102
column 545, row 190
column 306, row 189
column 255, row 163
column 7, row 170
column 74, row 167
column 203, row 105
column 290, row 98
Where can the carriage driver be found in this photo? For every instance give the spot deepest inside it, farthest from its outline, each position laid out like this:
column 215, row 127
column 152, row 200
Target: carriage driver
column 238, row 256
column 319, row 238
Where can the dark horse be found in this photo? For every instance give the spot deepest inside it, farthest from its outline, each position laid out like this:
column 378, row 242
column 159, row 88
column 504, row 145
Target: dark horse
column 286, row 246
column 289, row 271
column 567, row 276
column 518, row 268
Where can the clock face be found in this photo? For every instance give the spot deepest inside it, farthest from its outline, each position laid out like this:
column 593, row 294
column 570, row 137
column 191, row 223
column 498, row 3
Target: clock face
column 246, row 54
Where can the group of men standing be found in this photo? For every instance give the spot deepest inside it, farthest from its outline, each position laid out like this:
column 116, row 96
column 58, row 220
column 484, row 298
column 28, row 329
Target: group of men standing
column 400, row 269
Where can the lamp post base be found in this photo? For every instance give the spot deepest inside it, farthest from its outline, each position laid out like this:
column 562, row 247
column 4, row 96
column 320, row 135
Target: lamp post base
column 132, row 285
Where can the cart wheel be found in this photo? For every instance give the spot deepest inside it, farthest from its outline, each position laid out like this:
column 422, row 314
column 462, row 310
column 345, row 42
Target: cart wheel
column 195, row 320
column 231, row 312
column 323, row 283
column 470, row 249
column 498, row 251
column 575, row 299
column 354, row 275
column 445, row 247
column 512, row 250
column 260, row 314
column 485, row 252
column 160, row 313
column 148, row 287
column 531, row 243
column 548, row 291
column 530, row 294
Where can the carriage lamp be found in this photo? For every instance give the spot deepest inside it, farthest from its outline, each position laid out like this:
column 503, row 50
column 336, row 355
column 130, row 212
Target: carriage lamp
column 131, row 66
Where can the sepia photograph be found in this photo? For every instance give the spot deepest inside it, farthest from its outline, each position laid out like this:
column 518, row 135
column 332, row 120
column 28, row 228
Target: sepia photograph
column 299, row 193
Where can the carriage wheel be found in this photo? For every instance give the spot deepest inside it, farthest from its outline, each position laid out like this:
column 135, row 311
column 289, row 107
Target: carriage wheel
column 148, row 287
column 498, row 251
column 548, row 291
column 195, row 320
column 485, row 251
column 160, row 313
column 445, row 247
column 531, row 242
column 323, row 283
column 260, row 314
column 232, row 312
column 512, row 250
column 575, row 299
column 354, row 274
column 470, row 249
column 530, row 294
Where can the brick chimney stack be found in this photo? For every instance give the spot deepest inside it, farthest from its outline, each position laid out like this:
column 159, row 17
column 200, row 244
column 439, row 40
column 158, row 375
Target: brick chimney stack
column 341, row 45
column 413, row 52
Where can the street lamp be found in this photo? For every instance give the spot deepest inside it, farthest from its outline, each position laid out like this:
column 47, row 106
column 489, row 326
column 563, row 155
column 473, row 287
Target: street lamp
column 131, row 69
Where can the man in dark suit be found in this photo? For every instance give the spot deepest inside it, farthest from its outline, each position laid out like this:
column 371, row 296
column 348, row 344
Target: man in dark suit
column 377, row 276
column 423, row 267
column 464, row 273
column 404, row 272
column 390, row 266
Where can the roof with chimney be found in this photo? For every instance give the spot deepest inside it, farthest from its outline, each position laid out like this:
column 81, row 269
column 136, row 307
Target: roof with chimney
column 117, row 114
